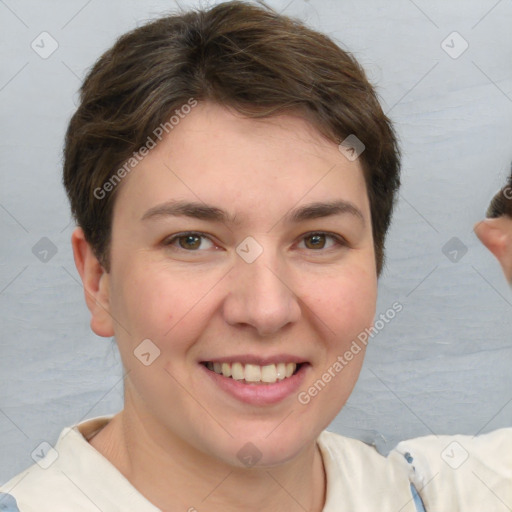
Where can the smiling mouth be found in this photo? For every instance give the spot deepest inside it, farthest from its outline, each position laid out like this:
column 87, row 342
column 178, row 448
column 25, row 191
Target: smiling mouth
column 253, row 373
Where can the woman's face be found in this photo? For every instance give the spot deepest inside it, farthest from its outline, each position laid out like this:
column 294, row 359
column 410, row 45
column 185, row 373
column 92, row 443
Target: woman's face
column 249, row 243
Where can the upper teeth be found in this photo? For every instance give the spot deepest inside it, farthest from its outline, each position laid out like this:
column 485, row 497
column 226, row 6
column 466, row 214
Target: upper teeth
column 269, row 373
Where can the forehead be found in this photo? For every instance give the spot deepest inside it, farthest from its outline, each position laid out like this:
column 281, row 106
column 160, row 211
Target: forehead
column 218, row 156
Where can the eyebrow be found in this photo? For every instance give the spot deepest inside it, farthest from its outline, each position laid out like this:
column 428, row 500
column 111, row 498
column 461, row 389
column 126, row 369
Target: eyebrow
column 211, row 213
column 320, row 210
column 190, row 209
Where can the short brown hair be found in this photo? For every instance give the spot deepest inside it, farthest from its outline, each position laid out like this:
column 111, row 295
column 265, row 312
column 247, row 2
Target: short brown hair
column 501, row 203
column 237, row 54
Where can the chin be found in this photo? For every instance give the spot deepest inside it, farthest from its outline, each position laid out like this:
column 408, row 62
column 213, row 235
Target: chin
column 260, row 452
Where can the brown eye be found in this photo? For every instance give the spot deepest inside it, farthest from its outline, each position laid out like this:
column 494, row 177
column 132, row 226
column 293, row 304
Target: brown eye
column 321, row 240
column 191, row 242
column 315, row 241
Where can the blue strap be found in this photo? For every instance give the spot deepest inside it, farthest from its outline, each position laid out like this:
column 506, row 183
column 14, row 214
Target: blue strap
column 8, row 503
column 417, row 499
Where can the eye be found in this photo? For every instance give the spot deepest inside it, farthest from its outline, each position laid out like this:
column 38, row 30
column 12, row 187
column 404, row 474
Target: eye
column 320, row 240
column 190, row 241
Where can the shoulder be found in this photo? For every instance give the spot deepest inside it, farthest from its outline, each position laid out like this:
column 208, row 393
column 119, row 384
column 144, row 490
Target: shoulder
column 360, row 478
column 450, row 473
column 461, row 472
column 47, row 483
column 349, row 451
column 72, row 476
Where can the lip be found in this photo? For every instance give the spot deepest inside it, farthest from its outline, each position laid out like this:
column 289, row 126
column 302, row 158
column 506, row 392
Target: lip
column 258, row 394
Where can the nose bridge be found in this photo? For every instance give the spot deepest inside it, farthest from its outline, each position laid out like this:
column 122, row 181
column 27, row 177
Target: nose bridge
column 261, row 295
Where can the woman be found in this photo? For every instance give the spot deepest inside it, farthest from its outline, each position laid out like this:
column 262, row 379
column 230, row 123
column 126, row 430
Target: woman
column 233, row 177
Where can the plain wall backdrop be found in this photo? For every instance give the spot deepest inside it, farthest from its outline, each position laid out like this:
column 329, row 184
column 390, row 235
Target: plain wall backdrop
column 441, row 366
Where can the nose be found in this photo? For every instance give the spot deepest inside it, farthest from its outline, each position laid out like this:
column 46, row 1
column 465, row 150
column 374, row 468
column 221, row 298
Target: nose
column 261, row 295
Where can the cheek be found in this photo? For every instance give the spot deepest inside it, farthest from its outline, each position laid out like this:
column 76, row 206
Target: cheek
column 168, row 308
column 344, row 308
column 345, row 303
column 144, row 302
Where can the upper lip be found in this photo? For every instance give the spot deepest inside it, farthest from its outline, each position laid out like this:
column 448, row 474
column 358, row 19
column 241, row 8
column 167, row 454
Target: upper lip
column 258, row 360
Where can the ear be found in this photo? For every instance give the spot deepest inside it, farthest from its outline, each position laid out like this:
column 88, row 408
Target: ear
column 496, row 235
column 96, row 284
column 493, row 236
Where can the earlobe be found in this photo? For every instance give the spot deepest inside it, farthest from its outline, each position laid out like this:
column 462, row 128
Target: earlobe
column 96, row 284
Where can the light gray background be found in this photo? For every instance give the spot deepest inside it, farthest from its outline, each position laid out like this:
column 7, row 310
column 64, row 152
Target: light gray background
column 441, row 366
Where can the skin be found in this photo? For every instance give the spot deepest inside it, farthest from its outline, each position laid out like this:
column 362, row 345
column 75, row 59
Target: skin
column 297, row 298
column 496, row 235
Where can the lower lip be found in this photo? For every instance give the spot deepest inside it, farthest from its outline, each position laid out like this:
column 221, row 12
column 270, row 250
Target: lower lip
column 259, row 394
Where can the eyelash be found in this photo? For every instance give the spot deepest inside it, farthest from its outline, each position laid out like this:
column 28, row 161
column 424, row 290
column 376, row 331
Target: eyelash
column 339, row 240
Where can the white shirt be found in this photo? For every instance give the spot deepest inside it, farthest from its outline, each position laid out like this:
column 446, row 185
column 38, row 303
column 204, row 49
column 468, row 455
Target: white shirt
column 451, row 473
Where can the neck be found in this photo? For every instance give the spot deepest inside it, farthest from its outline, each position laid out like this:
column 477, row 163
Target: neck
column 173, row 475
